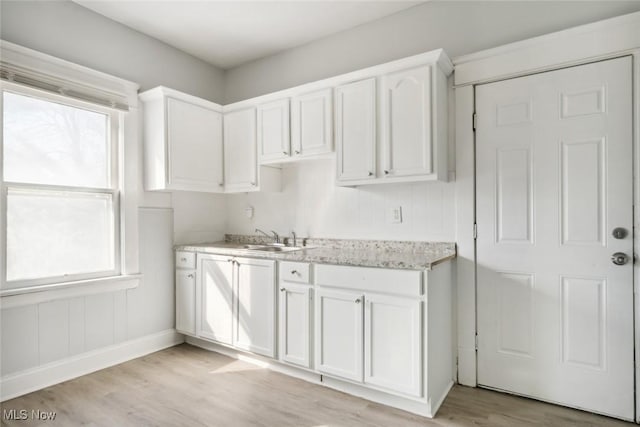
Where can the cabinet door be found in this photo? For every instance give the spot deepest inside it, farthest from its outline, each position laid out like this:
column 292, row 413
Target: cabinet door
column 255, row 316
column 311, row 123
column 295, row 324
column 356, row 130
column 273, row 131
column 215, row 314
column 240, row 162
column 338, row 334
column 392, row 343
column 194, row 137
column 186, row 301
column 406, row 102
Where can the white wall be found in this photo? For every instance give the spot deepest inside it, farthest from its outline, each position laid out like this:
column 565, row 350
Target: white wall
column 61, row 331
column 39, row 334
column 312, row 205
column 459, row 27
column 68, row 31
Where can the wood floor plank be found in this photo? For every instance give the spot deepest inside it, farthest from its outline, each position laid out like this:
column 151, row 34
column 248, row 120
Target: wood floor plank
column 188, row 386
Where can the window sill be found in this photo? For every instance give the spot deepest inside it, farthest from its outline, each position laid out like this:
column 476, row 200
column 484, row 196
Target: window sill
column 10, row 298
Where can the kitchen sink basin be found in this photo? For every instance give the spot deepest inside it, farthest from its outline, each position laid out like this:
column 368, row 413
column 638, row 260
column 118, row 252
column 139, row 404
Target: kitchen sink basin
column 276, row 248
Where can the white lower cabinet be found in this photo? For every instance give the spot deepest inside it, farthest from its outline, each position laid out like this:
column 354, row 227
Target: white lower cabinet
column 215, row 298
column 295, row 324
column 186, row 301
column 339, row 328
column 255, row 305
column 392, row 343
column 380, row 333
column 295, row 313
column 381, row 330
column 236, row 301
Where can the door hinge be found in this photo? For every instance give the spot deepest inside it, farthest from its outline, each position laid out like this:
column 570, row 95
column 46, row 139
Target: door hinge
column 475, row 231
column 475, row 121
column 476, row 342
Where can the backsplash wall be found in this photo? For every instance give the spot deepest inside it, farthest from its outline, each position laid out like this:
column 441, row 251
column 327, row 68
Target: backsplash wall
column 312, row 205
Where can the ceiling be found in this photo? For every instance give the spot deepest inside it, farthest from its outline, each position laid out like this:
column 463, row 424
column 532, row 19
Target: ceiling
column 230, row 33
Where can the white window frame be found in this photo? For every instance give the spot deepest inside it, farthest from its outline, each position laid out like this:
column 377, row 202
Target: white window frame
column 73, row 84
column 113, row 141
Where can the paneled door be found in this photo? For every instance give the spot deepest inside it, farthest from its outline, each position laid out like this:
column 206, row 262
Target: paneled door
column 555, row 248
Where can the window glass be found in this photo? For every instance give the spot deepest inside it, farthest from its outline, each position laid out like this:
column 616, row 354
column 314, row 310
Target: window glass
column 51, row 143
column 54, row 233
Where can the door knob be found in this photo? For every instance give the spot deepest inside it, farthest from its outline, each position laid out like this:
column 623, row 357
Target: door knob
column 619, row 258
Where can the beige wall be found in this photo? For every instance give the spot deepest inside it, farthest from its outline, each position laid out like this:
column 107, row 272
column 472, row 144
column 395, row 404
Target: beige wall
column 457, row 26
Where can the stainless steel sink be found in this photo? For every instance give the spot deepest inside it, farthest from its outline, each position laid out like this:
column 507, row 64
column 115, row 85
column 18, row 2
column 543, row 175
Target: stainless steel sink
column 252, row 247
column 276, row 248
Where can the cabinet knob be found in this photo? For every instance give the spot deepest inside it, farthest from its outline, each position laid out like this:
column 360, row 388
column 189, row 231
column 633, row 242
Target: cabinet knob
column 183, row 259
column 283, row 289
column 230, row 260
column 253, row 184
column 297, row 151
column 358, row 301
column 285, row 153
column 370, row 173
column 221, row 184
column 386, row 172
column 294, row 271
column 190, row 276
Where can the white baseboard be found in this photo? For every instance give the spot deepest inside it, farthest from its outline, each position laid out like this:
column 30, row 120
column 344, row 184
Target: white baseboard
column 24, row 382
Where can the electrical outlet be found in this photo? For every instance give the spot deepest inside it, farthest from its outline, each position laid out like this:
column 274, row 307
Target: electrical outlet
column 394, row 216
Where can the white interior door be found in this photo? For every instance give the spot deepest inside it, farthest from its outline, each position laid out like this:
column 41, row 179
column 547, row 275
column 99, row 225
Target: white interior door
column 554, row 179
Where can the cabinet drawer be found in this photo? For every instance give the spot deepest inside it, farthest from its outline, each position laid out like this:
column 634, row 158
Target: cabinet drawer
column 295, row 272
column 388, row 281
column 185, row 259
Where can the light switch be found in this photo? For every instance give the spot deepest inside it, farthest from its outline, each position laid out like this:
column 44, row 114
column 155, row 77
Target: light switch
column 394, row 216
column 248, row 212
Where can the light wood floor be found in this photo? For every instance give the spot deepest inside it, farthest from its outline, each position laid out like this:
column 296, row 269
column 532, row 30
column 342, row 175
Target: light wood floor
column 187, row 386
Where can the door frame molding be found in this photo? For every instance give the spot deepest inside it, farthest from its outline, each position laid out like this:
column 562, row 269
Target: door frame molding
column 598, row 41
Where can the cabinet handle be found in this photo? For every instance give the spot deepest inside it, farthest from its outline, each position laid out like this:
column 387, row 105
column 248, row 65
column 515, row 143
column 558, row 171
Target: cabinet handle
column 190, row 276
column 285, row 153
column 253, row 184
column 386, row 172
column 221, row 184
column 370, row 173
column 294, row 271
column 183, row 259
column 297, row 151
column 358, row 301
column 230, row 260
column 283, row 289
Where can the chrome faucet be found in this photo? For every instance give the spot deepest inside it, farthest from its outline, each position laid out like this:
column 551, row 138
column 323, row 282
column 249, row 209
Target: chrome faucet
column 293, row 235
column 276, row 237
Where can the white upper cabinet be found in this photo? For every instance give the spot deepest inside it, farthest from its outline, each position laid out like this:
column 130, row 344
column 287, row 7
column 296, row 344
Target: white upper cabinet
column 241, row 165
column 356, row 130
column 183, row 142
column 274, row 143
column 407, row 139
column 311, row 123
column 401, row 130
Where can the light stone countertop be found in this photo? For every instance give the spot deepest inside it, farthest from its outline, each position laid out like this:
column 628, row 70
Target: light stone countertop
column 360, row 253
